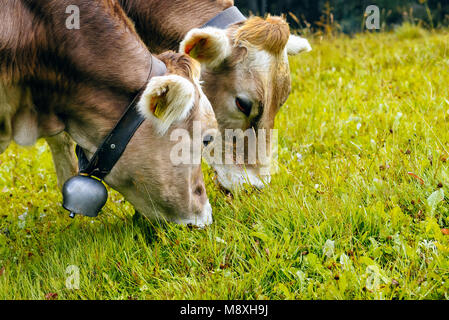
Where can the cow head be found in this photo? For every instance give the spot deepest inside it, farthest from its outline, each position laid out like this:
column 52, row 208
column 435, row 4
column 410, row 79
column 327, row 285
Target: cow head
column 149, row 174
column 247, row 80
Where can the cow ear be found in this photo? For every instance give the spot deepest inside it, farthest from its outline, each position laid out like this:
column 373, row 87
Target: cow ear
column 296, row 45
column 210, row 46
column 166, row 100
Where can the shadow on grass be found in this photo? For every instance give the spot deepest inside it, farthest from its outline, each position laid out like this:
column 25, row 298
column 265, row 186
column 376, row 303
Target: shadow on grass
column 147, row 228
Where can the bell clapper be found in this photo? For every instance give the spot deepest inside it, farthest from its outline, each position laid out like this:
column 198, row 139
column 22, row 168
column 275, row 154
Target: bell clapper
column 72, row 215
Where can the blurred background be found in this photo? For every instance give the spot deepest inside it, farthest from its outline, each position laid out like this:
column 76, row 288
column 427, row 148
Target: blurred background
column 348, row 15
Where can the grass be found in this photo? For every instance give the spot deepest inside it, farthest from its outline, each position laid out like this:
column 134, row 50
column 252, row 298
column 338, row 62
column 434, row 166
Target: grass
column 358, row 209
column 409, row 31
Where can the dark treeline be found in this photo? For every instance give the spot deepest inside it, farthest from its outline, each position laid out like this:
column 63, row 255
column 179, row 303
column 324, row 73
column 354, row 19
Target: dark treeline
column 348, row 15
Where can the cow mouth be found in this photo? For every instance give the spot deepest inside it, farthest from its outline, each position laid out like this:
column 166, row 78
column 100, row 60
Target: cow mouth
column 200, row 222
column 197, row 222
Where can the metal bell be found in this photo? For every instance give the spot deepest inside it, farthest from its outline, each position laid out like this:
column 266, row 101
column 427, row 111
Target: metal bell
column 84, row 195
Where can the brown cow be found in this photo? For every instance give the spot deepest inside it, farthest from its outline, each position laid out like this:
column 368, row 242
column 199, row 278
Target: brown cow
column 245, row 67
column 246, row 72
column 79, row 81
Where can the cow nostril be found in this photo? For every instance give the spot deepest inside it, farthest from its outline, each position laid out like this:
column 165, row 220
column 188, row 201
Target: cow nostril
column 208, row 139
column 199, row 191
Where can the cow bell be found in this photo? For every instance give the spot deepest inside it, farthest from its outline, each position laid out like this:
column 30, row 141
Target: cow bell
column 84, row 195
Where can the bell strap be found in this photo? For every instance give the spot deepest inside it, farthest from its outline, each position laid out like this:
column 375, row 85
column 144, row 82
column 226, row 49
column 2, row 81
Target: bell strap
column 113, row 146
column 226, row 18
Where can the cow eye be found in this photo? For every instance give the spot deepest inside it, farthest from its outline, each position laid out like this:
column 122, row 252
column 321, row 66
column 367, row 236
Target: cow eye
column 244, row 105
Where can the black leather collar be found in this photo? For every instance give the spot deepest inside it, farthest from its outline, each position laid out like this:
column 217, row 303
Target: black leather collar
column 113, row 146
column 226, row 18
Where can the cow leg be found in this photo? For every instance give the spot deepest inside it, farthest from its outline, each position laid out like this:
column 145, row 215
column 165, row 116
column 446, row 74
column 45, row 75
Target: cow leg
column 63, row 151
column 5, row 133
column 7, row 111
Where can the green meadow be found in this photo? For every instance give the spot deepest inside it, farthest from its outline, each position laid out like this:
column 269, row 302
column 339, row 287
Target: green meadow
column 358, row 208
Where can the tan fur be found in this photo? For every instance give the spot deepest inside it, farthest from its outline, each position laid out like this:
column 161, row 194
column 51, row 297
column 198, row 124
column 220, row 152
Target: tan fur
column 270, row 34
column 181, row 64
column 226, row 3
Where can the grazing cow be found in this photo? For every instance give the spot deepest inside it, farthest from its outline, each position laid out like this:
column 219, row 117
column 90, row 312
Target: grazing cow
column 245, row 67
column 79, row 81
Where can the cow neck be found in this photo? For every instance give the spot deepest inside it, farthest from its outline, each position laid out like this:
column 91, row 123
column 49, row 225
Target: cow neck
column 115, row 143
column 162, row 25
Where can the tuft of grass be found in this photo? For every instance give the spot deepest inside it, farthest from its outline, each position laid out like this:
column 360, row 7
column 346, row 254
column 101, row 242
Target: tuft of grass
column 358, row 210
column 409, row 31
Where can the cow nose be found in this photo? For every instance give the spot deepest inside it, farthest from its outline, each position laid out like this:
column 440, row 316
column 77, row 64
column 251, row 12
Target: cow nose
column 208, row 139
column 244, row 105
